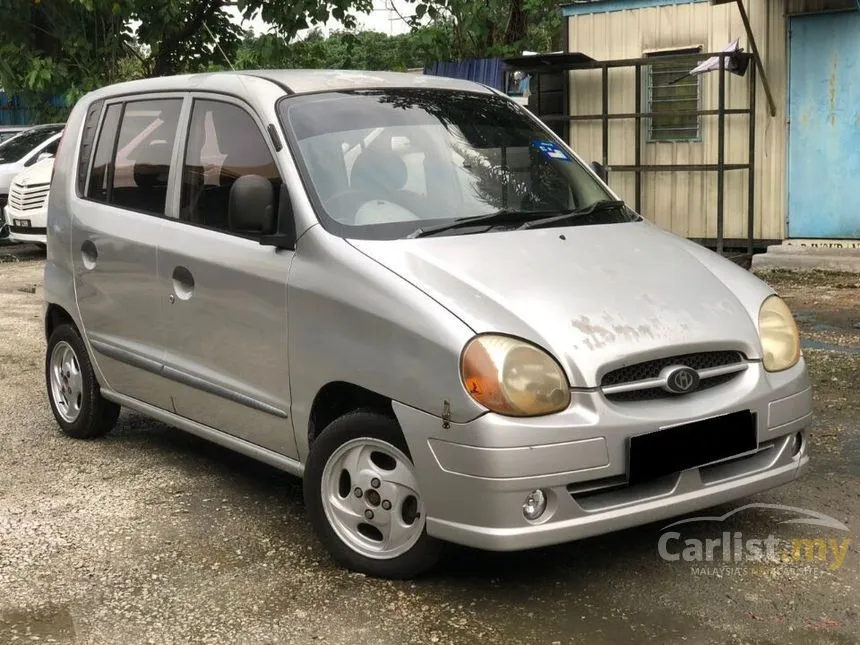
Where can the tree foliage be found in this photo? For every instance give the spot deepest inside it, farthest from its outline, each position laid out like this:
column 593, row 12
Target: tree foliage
column 346, row 50
column 67, row 47
column 51, row 48
column 485, row 28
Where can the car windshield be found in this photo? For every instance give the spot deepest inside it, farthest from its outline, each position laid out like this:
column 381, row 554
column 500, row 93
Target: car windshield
column 19, row 146
column 383, row 164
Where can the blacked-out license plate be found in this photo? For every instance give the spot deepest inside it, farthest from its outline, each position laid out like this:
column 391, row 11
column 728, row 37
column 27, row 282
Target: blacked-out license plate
column 690, row 445
column 23, row 223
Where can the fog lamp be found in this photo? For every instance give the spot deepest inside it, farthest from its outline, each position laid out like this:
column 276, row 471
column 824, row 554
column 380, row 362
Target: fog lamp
column 535, row 505
column 797, row 444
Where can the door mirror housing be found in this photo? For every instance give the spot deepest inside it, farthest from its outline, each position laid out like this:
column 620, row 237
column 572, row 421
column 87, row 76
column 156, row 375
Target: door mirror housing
column 251, row 208
column 285, row 236
column 44, row 155
column 601, row 171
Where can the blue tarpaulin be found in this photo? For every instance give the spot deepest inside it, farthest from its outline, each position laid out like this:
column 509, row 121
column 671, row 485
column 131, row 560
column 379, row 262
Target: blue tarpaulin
column 13, row 111
column 489, row 71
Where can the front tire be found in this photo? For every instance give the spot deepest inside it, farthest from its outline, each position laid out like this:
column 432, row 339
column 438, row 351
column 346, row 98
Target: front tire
column 73, row 390
column 362, row 496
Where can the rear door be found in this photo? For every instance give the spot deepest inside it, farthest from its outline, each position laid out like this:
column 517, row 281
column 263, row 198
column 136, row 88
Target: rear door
column 224, row 296
column 117, row 220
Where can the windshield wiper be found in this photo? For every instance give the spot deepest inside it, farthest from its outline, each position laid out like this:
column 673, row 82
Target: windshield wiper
column 491, row 219
column 596, row 207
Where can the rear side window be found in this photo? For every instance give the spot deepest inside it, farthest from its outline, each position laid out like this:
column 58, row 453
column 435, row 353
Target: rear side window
column 97, row 189
column 131, row 165
column 144, row 147
column 224, row 143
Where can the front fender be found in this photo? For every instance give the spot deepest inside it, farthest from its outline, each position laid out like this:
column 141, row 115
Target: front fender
column 351, row 319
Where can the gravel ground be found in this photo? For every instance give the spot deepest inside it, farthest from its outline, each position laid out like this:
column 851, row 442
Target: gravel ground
column 154, row 536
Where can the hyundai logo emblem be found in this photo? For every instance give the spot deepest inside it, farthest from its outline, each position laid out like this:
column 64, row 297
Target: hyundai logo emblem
column 680, row 379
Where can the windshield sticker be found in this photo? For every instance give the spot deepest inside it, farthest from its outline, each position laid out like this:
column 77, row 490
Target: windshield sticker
column 550, row 150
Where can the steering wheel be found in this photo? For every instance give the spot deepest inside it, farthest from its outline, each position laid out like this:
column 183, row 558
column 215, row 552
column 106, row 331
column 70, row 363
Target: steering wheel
column 344, row 205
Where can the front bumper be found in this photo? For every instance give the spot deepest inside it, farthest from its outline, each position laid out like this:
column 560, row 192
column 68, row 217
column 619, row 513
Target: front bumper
column 36, row 232
column 475, row 476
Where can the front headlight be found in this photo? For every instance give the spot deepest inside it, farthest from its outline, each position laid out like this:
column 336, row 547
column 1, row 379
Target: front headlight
column 513, row 377
column 780, row 341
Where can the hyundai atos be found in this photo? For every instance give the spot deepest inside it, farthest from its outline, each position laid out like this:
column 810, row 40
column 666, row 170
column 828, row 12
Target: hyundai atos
column 411, row 293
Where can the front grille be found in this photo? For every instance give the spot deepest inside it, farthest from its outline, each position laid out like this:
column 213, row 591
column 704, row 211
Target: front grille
column 648, row 370
column 28, row 230
column 652, row 369
column 28, row 198
column 652, row 393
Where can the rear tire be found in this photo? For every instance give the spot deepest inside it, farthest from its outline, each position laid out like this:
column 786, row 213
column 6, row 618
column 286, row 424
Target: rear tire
column 363, row 499
column 73, row 391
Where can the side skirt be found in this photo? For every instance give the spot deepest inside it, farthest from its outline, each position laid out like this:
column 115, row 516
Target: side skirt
column 287, row 464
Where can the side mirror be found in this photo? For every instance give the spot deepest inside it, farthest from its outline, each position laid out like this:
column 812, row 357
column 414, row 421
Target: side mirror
column 251, row 207
column 44, row 155
column 285, row 236
column 601, row 171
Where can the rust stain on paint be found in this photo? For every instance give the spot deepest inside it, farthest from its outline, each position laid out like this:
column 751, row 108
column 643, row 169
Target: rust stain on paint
column 831, row 87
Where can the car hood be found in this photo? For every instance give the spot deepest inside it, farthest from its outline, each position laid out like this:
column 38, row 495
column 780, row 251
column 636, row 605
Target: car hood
column 7, row 174
column 597, row 297
column 38, row 173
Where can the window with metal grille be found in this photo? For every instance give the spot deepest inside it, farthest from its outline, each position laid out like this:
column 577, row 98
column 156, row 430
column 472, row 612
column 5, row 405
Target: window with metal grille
column 670, row 91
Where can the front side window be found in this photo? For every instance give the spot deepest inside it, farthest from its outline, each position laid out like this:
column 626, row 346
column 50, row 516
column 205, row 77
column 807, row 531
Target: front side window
column 224, row 143
column 384, row 163
column 18, row 147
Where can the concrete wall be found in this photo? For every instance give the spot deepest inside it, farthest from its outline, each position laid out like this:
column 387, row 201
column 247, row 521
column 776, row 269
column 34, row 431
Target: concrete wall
column 685, row 202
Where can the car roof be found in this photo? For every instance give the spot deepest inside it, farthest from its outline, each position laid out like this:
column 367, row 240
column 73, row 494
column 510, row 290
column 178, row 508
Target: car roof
column 42, row 126
column 296, row 81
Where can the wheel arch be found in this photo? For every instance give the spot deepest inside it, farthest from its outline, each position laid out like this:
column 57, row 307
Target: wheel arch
column 337, row 398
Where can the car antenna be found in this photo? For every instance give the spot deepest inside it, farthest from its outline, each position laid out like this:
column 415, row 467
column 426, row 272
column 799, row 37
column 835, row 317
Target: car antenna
column 218, row 45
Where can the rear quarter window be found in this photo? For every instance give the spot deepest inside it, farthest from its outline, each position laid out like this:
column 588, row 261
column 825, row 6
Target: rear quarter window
column 88, row 139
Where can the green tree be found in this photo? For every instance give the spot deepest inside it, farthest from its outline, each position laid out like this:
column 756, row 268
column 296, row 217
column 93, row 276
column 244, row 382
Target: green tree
column 68, row 47
column 484, row 28
column 346, row 50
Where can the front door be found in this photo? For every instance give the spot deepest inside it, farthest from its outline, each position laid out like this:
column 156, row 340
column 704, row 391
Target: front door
column 117, row 226
column 824, row 131
column 225, row 295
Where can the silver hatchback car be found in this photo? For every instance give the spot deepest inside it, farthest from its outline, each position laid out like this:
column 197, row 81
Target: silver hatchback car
column 411, row 293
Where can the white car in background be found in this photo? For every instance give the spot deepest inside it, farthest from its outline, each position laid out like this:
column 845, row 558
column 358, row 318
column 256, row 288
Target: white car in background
column 26, row 211
column 20, row 153
column 9, row 131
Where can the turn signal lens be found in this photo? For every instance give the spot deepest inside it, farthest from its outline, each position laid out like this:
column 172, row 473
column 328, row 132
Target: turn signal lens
column 513, row 377
column 780, row 341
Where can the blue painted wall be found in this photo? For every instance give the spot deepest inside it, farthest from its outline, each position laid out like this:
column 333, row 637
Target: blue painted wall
column 824, row 131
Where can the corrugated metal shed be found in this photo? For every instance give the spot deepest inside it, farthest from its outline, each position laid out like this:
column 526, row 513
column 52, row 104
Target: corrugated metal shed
column 685, row 202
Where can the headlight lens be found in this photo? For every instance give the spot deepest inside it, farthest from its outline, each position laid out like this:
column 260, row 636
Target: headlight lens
column 780, row 340
column 513, row 377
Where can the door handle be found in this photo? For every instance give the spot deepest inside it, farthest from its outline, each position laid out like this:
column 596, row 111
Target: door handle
column 183, row 283
column 89, row 254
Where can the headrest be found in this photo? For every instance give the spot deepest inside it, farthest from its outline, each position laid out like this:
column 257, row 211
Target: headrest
column 378, row 171
column 150, row 169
